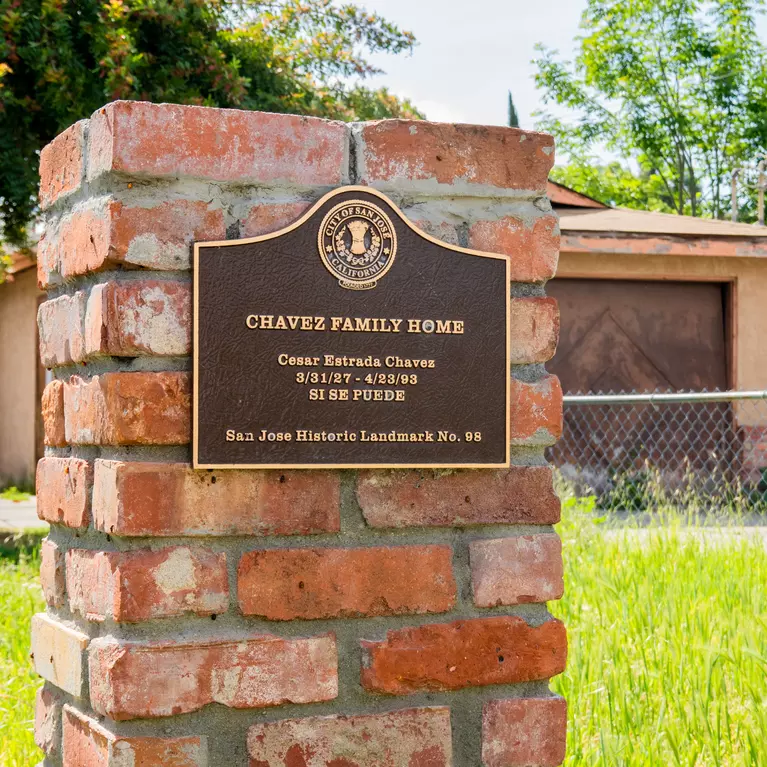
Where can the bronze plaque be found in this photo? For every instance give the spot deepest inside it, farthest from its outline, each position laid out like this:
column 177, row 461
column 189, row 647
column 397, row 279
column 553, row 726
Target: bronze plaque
column 350, row 339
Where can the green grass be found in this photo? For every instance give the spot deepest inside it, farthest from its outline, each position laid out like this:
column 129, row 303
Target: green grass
column 668, row 645
column 20, row 599
column 14, row 494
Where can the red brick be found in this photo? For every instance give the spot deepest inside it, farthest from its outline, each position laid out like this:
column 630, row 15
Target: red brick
column 128, row 409
column 161, row 236
column 536, row 411
column 417, row 737
column 534, row 329
column 522, row 732
column 73, row 245
column 468, row 653
column 168, row 141
column 513, row 571
column 403, row 151
column 131, row 319
column 60, row 326
column 284, row 584
column 131, row 680
column 144, row 584
column 518, row 495
column 52, row 406
column 48, row 719
column 267, row 217
column 113, row 233
column 171, row 499
column 87, row 743
column 58, row 653
column 532, row 250
column 64, row 491
column 52, row 573
column 61, row 164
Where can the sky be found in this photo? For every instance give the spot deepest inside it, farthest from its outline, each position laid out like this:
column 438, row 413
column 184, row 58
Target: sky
column 472, row 52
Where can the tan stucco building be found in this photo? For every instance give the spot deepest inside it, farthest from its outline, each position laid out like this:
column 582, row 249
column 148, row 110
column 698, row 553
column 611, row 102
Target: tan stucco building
column 657, row 300
column 21, row 376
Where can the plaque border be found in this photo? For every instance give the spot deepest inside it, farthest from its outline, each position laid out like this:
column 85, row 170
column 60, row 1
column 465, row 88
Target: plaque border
column 273, row 235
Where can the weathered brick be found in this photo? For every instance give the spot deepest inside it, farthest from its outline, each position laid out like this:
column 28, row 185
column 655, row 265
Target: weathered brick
column 128, row 409
column 512, row 571
column 64, row 491
column 52, row 573
column 533, row 250
column 60, row 330
column 58, row 653
column 418, row 737
column 403, row 151
column 87, row 743
column 109, row 233
column 171, row 499
column 536, row 411
column 267, row 217
column 168, row 141
column 126, row 319
column 143, row 584
column 534, row 329
column 131, row 319
column 52, row 406
column 62, row 165
column 518, row 495
column 129, row 680
column 284, row 584
column 160, row 236
column 73, row 245
column 468, row 653
column 521, row 732
column 48, row 719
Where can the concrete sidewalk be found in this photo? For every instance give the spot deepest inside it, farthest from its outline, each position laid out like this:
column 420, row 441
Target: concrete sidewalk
column 17, row 516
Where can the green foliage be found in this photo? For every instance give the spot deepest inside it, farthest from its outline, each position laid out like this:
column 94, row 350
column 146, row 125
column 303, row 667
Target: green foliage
column 667, row 643
column 60, row 60
column 675, row 88
column 20, row 598
column 614, row 184
column 5, row 263
column 14, row 494
column 513, row 118
column 646, row 488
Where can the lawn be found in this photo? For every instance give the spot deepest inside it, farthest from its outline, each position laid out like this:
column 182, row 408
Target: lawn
column 20, row 599
column 668, row 647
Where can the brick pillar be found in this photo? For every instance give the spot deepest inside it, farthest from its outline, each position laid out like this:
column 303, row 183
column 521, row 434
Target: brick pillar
column 268, row 618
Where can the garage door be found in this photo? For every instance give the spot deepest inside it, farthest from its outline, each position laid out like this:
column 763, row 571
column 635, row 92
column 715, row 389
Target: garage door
column 640, row 336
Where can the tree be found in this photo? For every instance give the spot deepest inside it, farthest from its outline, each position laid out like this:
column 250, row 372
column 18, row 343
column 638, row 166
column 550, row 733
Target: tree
column 60, row 60
column 676, row 89
column 513, row 116
column 613, row 184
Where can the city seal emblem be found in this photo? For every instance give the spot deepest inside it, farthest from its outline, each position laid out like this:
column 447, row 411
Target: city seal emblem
column 357, row 244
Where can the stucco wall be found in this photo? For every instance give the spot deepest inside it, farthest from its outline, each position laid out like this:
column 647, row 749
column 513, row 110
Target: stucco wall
column 18, row 371
column 748, row 321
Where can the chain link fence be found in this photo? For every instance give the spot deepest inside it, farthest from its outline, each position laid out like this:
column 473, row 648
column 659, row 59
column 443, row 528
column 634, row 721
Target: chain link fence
column 696, row 450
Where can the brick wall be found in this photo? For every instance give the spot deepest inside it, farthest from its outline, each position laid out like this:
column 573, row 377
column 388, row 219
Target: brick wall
column 281, row 619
